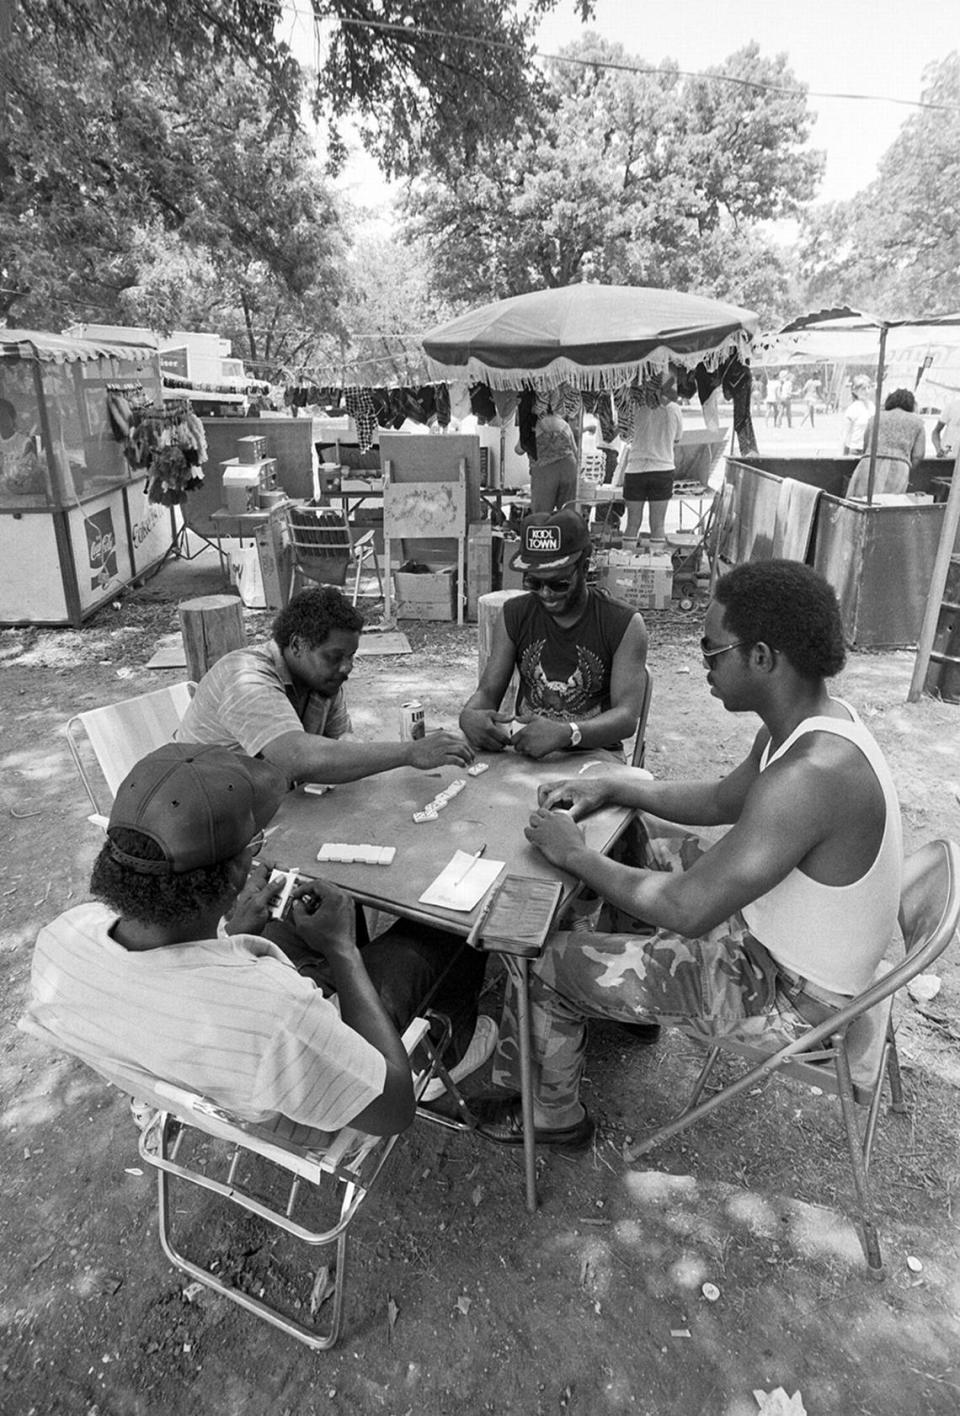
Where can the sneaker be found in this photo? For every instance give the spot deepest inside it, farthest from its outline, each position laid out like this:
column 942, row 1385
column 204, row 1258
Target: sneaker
column 480, row 1050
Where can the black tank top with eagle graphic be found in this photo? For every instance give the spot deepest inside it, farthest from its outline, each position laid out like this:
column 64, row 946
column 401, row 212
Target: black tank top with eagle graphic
column 565, row 673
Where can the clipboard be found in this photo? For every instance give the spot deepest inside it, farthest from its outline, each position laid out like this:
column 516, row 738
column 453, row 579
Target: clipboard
column 518, row 916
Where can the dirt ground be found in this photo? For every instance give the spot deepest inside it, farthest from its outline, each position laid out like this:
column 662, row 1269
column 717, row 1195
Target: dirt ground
column 459, row 1301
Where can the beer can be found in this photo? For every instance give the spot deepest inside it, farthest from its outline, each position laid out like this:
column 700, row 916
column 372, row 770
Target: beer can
column 412, row 723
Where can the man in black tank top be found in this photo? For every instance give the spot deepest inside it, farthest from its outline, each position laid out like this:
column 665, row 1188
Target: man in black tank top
column 580, row 655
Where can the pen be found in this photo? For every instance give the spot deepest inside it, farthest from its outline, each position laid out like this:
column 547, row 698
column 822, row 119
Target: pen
column 473, row 859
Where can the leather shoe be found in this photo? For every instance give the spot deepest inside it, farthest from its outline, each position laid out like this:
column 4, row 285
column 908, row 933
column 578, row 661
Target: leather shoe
column 502, row 1121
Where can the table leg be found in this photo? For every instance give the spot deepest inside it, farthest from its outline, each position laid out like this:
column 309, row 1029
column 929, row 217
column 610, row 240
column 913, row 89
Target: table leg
column 522, row 967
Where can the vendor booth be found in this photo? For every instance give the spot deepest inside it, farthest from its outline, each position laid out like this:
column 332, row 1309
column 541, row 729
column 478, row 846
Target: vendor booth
column 80, row 512
column 878, row 551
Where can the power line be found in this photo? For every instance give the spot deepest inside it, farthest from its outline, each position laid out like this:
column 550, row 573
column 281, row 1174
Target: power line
column 626, row 68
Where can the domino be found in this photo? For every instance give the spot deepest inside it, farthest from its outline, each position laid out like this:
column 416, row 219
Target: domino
column 317, row 788
column 478, row 769
column 356, row 855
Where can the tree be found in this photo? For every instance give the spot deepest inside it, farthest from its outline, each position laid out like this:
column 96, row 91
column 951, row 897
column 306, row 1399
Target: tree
column 652, row 178
column 424, row 79
column 894, row 248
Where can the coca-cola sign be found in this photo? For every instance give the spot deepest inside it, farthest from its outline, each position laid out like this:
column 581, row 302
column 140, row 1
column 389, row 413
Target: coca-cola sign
column 101, row 547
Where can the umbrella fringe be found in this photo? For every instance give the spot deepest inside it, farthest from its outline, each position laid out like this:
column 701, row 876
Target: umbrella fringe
column 595, row 378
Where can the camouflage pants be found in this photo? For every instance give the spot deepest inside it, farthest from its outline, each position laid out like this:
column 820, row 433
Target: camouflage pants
column 720, row 984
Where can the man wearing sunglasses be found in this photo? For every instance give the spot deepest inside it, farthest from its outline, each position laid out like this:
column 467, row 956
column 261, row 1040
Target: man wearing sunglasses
column 777, row 924
column 579, row 655
column 176, row 970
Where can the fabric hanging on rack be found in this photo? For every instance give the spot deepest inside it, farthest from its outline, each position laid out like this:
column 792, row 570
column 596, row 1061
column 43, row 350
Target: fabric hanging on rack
column 360, row 408
column 169, row 444
column 505, row 400
column 600, row 406
column 737, row 385
column 482, row 405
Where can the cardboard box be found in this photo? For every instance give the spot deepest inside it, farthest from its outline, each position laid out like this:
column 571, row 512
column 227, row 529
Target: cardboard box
column 644, row 582
column 432, row 596
column 252, row 449
column 241, row 488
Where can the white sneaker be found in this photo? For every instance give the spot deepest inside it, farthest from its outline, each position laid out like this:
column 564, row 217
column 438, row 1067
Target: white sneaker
column 481, row 1047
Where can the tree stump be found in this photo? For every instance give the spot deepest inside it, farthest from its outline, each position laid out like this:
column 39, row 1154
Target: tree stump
column 210, row 627
column 489, row 610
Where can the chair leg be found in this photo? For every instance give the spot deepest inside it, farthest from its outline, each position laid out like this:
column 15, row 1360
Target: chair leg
column 317, row 1341
column 868, row 1230
column 702, row 1079
column 897, row 1103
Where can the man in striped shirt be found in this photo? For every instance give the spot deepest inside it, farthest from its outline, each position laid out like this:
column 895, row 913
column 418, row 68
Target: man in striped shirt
column 284, row 701
column 175, row 970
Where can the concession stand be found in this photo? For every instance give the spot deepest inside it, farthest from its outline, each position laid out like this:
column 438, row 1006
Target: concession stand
column 877, row 551
column 86, row 495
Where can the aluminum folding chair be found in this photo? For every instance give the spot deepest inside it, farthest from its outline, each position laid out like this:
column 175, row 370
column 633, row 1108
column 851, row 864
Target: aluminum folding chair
column 324, row 548
column 311, row 1192
column 849, row 1054
column 120, row 734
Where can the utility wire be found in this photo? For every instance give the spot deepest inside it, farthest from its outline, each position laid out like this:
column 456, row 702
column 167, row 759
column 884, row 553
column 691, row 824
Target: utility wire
column 627, row 68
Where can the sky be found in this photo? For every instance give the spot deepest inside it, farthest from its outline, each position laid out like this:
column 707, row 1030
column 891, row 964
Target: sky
column 835, row 47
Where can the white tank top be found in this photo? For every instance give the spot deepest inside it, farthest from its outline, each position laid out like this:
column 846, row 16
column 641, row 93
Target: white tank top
column 835, row 935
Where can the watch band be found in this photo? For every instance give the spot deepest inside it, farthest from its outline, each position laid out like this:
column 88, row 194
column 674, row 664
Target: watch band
column 576, row 736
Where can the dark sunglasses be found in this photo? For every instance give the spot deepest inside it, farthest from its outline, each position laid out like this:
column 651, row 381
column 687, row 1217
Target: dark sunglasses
column 559, row 587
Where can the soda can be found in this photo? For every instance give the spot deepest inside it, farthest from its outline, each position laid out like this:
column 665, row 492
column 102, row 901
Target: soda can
column 412, row 722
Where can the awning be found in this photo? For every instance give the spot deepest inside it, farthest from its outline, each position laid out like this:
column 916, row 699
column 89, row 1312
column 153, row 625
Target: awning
column 38, row 346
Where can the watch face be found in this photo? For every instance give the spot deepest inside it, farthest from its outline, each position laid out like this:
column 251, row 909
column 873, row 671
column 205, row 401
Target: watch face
column 575, row 735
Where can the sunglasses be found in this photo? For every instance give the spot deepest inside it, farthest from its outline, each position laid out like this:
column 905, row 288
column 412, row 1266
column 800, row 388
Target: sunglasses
column 559, row 587
column 709, row 653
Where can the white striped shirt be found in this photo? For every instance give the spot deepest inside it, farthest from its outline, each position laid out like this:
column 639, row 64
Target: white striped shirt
column 248, row 699
column 229, row 1018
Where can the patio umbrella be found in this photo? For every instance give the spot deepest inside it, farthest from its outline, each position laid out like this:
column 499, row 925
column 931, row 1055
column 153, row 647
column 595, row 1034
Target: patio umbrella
column 589, row 336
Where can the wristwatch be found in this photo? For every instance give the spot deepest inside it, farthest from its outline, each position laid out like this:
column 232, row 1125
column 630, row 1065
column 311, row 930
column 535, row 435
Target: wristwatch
column 576, row 736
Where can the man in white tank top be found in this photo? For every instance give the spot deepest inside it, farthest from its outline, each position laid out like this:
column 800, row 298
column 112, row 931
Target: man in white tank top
column 784, row 918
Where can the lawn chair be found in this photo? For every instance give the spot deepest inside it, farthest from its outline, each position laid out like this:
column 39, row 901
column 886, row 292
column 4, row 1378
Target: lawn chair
column 324, row 548
column 192, row 1141
column 122, row 733
column 849, row 1054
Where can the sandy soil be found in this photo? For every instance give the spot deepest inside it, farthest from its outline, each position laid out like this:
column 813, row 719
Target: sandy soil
column 460, row 1302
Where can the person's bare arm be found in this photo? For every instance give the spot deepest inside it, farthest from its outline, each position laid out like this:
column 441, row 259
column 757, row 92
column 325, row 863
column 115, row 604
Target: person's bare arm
column 480, row 717
column 919, row 450
column 793, row 808
column 938, row 447
column 306, row 757
column 330, row 931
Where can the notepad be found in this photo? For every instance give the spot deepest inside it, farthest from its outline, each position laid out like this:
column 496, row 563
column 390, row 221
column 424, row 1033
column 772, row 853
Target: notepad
column 520, row 916
column 463, row 882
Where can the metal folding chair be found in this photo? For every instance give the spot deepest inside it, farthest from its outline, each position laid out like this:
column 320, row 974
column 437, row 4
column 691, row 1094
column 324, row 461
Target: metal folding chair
column 849, row 1054
column 311, row 1192
column 121, row 733
column 324, row 548
column 639, row 751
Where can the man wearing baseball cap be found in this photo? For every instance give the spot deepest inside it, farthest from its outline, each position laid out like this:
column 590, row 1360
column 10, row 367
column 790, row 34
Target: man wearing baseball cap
column 175, row 969
column 580, row 655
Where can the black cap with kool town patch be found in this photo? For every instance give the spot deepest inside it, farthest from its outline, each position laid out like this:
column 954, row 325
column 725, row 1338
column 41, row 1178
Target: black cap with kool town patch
column 551, row 540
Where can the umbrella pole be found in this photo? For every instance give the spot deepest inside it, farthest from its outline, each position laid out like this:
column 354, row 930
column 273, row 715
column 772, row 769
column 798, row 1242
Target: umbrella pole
column 875, row 428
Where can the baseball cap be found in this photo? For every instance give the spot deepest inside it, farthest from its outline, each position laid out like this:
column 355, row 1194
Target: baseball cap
column 551, row 540
column 201, row 805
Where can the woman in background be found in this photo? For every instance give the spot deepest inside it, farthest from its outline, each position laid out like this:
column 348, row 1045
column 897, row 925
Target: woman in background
column 553, row 472
column 901, row 444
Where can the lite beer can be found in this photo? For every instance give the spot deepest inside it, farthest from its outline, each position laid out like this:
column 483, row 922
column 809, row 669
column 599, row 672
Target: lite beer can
column 412, row 723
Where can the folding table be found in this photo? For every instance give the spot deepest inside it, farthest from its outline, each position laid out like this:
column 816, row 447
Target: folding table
column 491, row 810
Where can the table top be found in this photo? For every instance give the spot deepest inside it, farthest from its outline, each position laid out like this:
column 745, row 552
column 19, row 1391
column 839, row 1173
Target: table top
column 250, row 518
column 492, row 809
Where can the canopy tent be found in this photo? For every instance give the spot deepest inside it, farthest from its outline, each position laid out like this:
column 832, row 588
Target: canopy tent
column 906, row 349
column 588, row 336
column 921, row 354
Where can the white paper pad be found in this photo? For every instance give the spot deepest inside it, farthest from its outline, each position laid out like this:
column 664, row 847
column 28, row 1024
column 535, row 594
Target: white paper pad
column 463, row 883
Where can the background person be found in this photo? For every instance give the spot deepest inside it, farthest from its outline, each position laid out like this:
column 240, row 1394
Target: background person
column 553, row 472
column 785, row 400
column 580, row 655
column 946, row 431
column 856, row 416
column 651, row 458
column 771, row 929
column 285, row 700
column 770, row 397
column 810, row 394
column 901, row 445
